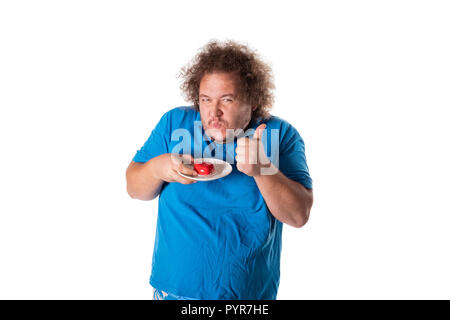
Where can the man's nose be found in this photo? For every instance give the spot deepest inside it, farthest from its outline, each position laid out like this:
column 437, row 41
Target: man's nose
column 216, row 109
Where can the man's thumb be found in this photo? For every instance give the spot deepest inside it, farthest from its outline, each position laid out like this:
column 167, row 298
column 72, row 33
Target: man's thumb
column 259, row 131
column 187, row 159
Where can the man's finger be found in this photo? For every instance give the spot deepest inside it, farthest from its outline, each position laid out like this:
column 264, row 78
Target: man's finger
column 240, row 167
column 178, row 178
column 182, row 158
column 242, row 141
column 187, row 170
column 187, row 158
column 241, row 150
column 240, row 158
column 259, row 131
column 183, row 180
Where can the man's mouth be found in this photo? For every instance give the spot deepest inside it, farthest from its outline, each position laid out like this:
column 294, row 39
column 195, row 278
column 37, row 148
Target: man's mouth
column 216, row 125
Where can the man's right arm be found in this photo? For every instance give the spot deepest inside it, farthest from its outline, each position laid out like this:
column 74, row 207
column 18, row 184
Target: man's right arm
column 144, row 180
column 141, row 182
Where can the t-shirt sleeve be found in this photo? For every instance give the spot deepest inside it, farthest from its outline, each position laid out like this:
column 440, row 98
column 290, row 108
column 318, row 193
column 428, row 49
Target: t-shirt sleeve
column 293, row 159
column 157, row 143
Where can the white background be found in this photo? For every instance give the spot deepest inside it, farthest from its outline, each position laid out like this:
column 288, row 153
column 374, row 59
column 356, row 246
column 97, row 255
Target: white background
column 366, row 83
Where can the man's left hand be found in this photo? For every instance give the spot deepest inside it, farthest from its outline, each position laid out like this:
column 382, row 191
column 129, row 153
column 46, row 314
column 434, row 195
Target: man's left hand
column 250, row 155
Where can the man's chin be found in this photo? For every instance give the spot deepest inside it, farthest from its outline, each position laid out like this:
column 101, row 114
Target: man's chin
column 218, row 139
column 215, row 135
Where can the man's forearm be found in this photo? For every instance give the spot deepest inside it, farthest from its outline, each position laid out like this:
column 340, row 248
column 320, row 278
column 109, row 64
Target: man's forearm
column 141, row 182
column 287, row 200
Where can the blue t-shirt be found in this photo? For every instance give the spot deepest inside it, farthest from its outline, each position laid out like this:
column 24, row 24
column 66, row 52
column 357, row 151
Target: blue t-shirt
column 217, row 239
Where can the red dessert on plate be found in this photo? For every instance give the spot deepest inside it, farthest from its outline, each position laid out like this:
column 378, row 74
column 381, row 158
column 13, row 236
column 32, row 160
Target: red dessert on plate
column 204, row 168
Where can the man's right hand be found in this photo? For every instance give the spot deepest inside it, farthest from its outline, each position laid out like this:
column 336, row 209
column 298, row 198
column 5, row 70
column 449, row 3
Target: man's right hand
column 144, row 180
column 167, row 165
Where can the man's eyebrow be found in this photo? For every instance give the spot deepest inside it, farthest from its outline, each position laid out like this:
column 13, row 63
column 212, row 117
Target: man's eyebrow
column 225, row 95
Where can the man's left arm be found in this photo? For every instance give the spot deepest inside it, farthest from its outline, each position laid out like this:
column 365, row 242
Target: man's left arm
column 288, row 201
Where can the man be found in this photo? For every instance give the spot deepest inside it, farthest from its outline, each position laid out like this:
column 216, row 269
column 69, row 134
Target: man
column 221, row 239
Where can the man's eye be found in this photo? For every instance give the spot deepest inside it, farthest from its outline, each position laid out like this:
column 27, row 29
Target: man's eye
column 227, row 100
column 205, row 100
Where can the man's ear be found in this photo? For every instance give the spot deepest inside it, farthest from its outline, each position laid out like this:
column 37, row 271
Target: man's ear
column 254, row 108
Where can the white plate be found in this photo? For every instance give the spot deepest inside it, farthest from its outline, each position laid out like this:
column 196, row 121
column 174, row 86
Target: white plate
column 221, row 169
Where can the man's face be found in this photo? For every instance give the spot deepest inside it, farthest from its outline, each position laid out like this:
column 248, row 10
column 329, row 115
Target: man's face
column 220, row 108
